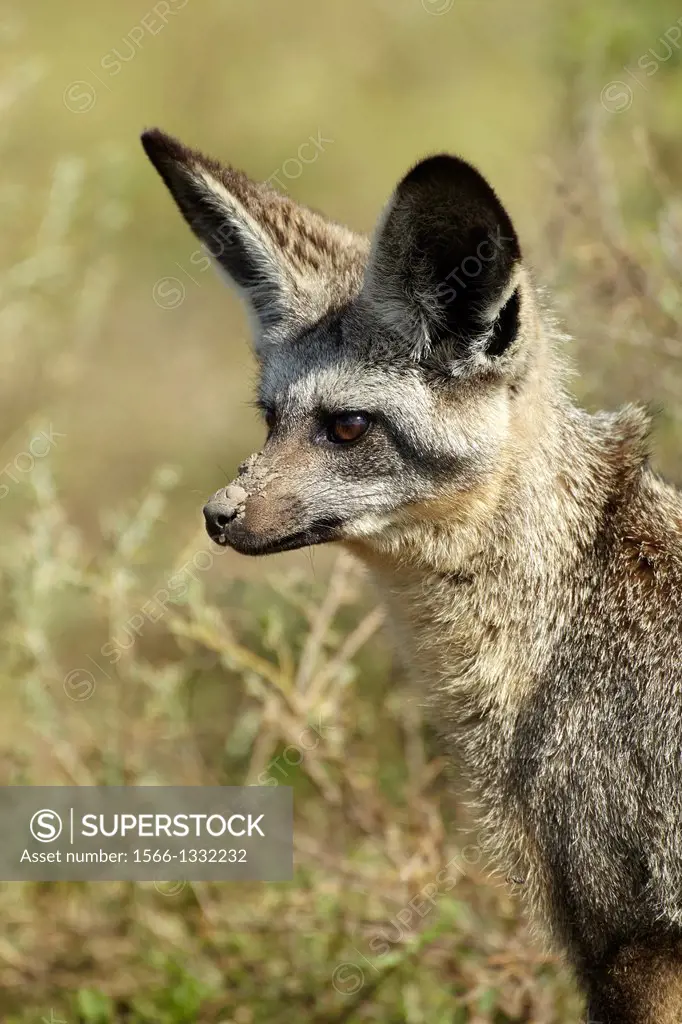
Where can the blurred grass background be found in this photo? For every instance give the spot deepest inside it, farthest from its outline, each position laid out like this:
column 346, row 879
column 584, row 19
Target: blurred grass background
column 124, row 392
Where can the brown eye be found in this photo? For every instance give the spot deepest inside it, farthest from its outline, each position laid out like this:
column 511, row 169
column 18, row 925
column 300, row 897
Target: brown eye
column 270, row 418
column 348, row 426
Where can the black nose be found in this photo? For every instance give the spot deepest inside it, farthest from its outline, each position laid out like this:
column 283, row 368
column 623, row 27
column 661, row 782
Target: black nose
column 219, row 512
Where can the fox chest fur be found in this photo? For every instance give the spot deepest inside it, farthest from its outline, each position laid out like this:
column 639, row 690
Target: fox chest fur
column 560, row 692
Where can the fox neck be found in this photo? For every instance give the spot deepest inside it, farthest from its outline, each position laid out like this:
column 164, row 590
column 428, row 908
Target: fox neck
column 479, row 585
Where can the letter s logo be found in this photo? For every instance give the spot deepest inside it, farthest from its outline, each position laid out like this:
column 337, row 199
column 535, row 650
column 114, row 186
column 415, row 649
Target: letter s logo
column 46, row 826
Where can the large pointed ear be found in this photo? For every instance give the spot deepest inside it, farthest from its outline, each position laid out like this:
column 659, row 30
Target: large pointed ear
column 290, row 264
column 444, row 270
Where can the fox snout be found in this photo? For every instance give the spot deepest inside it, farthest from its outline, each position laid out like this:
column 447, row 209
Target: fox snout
column 222, row 509
column 228, row 505
column 231, row 514
column 260, row 513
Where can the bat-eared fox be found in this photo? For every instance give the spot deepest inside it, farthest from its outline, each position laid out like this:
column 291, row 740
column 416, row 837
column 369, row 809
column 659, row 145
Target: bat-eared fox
column 530, row 559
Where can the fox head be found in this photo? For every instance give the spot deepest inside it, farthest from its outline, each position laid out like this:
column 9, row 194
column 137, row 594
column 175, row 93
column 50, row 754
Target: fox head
column 389, row 371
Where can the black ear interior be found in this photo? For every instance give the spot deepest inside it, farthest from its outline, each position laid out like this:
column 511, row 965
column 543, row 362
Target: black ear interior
column 456, row 251
column 505, row 326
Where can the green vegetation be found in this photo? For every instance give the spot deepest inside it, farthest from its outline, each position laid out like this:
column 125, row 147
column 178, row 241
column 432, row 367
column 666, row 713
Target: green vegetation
column 120, row 354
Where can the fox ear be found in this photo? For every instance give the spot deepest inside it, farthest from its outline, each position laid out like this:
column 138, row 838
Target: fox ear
column 444, row 267
column 291, row 265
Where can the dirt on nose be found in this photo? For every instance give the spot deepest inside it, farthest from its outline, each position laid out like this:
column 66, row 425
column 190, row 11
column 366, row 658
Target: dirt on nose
column 251, row 481
column 236, row 499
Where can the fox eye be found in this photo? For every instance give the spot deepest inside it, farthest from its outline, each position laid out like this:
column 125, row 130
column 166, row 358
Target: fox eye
column 348, row 426
column 270, row 418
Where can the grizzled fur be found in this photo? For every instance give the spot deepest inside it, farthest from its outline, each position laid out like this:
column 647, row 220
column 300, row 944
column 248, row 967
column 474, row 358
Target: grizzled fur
column 530, row 558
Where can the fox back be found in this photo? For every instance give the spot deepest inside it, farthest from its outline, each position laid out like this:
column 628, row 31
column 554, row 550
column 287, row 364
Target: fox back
column 413, row 392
